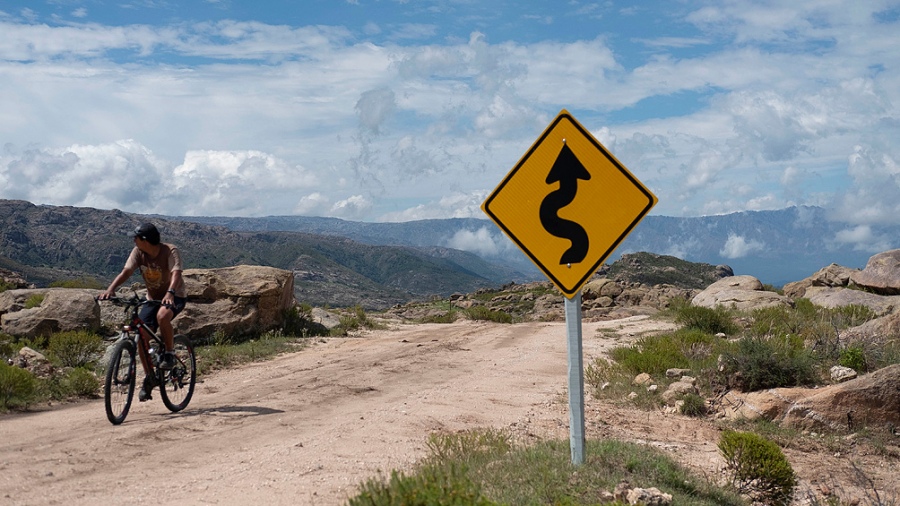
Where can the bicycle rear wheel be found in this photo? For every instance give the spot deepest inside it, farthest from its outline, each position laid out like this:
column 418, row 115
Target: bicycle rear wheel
column 120, row 378
column 177, row 385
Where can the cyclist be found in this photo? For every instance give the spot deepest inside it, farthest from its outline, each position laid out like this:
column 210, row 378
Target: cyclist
column 161, row 267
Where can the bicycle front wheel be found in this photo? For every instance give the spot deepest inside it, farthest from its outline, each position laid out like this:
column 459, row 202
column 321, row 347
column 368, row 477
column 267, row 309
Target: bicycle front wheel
column 120, row 378
column 177, row 384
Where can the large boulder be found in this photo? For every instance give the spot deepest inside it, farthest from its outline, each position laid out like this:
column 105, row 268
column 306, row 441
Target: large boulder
column 872, row 400
column 739, row 292
column 832, row 276
column 239, row 300
column 56, row 310
column 881, row 274
column 839, row 297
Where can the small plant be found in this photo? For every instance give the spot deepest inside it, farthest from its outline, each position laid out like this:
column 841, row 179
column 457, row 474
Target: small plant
column 485, row 314
column 81, row 382
column 76, row 348
column 704, row 319
column 430, row 486
column 17, row 387
column 757, row 363
column 34, row 301
column 758, row 467
column 693, row 405
column 854, row 357
column 653, row 355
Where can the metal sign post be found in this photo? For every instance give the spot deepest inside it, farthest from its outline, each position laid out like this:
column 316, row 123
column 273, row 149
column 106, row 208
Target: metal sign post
column 568, row 204
column 576, row 378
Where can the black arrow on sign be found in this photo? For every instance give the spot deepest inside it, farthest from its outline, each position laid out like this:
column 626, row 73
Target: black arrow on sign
column 566, row 170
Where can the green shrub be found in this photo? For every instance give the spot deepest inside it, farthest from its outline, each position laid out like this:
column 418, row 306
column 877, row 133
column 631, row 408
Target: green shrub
column 76, row 348
column 81, row 382
column 693, row 405
column 485, row 314
column 758, row 467
column 854, row 357
column 430, row 486
column 34, row 301
column 684, row 349
column 5, row 285
column 17, row 386
column 756, row 363
column 704, row 319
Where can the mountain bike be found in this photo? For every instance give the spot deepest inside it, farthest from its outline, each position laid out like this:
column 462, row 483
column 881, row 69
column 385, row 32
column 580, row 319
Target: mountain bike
column 176, row 385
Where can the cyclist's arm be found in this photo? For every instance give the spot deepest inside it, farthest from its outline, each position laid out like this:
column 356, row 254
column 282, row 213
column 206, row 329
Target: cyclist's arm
column 121, row 278
column 175, row 284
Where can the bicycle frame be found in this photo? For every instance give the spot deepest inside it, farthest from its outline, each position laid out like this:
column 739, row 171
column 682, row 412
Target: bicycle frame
column 176, row 385
column 143, row 335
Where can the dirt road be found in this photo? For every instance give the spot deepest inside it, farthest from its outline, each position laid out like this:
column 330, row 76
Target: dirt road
column 308, row 427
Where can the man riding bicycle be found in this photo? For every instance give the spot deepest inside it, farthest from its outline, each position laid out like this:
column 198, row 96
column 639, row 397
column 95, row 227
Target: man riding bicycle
column 161, row 267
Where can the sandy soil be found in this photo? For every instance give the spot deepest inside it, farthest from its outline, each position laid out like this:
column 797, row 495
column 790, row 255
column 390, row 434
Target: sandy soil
column 308, row 427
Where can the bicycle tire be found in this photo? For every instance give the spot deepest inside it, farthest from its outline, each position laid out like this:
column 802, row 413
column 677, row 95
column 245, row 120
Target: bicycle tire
column 121, row 372
column 176, row 386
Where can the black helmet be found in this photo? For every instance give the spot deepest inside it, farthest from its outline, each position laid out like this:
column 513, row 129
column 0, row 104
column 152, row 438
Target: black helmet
column 147, row 232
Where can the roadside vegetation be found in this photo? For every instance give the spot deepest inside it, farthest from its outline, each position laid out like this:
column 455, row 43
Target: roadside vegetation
column 720, row 347
column 73, row 365
column 486, row 467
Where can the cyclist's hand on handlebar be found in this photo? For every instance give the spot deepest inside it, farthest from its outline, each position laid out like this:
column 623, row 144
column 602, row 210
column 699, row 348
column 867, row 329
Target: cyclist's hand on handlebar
column 106, row 295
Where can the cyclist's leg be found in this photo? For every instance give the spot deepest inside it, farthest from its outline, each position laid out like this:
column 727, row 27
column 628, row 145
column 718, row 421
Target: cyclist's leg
column 148, row 316
column 164, row 318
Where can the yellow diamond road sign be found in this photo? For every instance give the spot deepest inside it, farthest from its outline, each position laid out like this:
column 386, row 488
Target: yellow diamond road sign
column 568, row 203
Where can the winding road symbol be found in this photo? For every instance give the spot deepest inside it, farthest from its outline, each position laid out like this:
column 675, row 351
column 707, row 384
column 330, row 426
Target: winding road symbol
column 566, row 171
column 568, row 203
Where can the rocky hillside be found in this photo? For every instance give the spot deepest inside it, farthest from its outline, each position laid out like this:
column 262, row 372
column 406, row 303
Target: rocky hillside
column 44, row 244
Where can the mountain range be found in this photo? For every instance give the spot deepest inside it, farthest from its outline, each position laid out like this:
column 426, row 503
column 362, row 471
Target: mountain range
column 343, row 263
column 775, row 246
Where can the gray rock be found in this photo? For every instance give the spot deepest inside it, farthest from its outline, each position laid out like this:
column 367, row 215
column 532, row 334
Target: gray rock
column 832, row 276
column 839, row 297
column 840, row 374
column 740, row 292
column 881, row 274
column 60, row 310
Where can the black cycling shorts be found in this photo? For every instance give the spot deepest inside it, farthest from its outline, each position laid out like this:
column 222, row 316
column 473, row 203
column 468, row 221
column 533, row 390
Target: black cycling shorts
column 148, row 312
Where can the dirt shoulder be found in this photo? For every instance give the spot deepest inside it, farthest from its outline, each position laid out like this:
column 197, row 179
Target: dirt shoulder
column 307, row 427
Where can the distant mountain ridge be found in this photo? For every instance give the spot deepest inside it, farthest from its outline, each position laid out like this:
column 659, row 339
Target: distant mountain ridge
column 50, row 243
column 343, row 263
column 775, row 246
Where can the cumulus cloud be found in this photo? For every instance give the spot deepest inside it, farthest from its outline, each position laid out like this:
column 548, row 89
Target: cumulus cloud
column 235, row 183
column 481, row 242
column 737, row 246
column 123, row 175
column 789, row 103
column 863, row 238
column 352, row 208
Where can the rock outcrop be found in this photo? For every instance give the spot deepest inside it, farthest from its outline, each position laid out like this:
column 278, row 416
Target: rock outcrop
column 235, row 301
column 881, row 274
column 740, row 292
column 871, row 400
column 54, row 310
column 833, row 275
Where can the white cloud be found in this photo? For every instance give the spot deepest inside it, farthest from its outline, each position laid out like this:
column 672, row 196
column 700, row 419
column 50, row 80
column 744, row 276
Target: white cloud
column 481, row 242
column 272, row 118
column 863, row 238
column 351, row 208
column 737, row 246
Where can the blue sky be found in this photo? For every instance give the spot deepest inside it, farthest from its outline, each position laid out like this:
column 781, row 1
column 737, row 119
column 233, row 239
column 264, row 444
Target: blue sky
column 386, row 110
